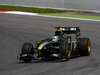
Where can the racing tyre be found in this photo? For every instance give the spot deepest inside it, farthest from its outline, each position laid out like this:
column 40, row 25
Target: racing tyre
column 84, row 46
column 28, row 50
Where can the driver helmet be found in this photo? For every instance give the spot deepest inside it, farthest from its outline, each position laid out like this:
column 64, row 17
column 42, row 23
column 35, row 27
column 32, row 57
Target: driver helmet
column 55, row 38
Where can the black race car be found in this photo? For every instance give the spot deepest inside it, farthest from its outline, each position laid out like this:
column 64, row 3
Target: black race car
column 65, row 44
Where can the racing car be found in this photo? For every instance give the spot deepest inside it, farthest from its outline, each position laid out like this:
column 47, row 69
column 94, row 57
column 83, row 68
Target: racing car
column 63, row 45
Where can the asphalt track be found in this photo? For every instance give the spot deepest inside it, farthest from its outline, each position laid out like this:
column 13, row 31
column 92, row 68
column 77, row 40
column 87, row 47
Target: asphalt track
column 17, row 29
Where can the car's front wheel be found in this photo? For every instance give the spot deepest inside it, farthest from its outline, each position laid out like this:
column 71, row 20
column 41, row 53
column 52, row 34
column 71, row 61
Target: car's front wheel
column 27, row 52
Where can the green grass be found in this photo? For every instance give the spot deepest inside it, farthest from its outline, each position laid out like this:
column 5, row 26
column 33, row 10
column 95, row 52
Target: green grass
column 51, row 12
column 29, row 9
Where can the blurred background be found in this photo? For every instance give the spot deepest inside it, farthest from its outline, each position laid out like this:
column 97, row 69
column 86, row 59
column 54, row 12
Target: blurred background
column 69, row 4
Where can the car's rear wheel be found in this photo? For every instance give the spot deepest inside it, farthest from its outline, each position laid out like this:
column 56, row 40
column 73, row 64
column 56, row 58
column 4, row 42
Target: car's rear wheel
column 28, row 50
column 84, row 46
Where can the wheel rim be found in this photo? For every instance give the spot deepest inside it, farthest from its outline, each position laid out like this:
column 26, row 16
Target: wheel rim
column 89, row 48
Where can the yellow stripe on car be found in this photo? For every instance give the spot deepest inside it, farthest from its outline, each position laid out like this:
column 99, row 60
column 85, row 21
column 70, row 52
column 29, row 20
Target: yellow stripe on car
column 42, row 45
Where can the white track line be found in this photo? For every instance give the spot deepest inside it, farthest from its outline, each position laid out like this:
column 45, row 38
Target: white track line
column 20, row 13
column 36, row 14
column 70, row 18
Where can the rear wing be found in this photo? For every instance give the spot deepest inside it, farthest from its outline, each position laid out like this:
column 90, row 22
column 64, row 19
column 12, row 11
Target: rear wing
column 69, row 30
